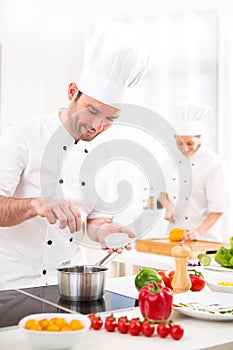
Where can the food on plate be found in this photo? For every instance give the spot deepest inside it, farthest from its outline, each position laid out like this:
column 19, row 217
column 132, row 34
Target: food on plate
column 155, row 301
column 196, row 277
column 193, row 263
column 224, row 256
column 225, row 284
column 204, row 259
column 176, row 235
column 55, row 324
column 145, row 277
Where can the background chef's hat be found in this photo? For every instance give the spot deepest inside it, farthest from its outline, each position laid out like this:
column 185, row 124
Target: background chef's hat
column 113, row 62
column 188, row 119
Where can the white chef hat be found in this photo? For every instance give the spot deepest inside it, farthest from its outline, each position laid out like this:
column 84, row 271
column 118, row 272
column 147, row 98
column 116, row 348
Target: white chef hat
column 113, row 62
column 188, row 119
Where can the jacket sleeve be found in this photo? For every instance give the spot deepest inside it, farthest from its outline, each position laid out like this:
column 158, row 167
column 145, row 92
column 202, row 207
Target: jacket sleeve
column 217, row 189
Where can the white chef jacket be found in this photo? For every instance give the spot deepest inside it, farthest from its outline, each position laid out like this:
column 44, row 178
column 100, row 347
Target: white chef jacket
column 209, row 193
column 38, row 158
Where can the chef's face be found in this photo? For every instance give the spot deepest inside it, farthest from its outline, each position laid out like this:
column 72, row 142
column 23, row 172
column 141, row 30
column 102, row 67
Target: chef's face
column 88, row 117
column 188, row 144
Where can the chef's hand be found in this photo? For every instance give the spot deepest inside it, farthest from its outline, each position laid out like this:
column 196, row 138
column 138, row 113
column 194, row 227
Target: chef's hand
column 169, row 215
column 106, row 229
column 63, row 211
column 191, row 235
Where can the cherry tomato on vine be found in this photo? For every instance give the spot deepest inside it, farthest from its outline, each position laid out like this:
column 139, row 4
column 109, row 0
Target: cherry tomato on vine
column 134, row 327
column 163, row 330
column 123, row 325
column 176, row 332
column 123, row 318
column 148, row 329
column 92, row 317
column 135, row 319
column 110, row 317
column 110, row 324
column 198, row 282
column 96, row 323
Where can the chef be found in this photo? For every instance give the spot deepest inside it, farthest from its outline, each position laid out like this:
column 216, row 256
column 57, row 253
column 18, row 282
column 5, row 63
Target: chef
column 209, row 199
column 43, row 216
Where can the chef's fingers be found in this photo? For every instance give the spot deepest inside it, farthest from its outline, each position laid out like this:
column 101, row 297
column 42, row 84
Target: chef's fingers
column 61, row 217
column 189, row 236
column 77, row 215
column 71, row 220
column 172, row 220
column 103, row 244
column 119, row 250
column 111, row 250
column 51, row 217
column 128, row 232
column 74, row 209
column 128, row 246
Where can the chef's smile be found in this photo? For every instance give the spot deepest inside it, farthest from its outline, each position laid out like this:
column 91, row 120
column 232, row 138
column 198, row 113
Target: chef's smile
column 88, row 117
column 188, row 144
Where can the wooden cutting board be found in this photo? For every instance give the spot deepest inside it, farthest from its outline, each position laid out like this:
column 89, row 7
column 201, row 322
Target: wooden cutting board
column 164, row 246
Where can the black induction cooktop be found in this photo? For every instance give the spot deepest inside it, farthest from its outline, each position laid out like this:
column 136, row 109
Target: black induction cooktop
column 15, row 304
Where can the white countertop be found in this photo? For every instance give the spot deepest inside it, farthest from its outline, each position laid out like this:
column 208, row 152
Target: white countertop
column 133, row 257
column 199, row 334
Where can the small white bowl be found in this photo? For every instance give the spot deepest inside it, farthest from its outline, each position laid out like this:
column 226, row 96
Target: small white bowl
column 213, row 284
column 47, row 340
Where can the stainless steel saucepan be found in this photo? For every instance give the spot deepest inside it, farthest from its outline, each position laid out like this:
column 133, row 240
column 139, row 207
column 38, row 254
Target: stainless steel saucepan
column 83, row 282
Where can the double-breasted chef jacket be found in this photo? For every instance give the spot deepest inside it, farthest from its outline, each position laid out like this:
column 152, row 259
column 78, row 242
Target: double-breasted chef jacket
column 209, row 192
column 38, row 158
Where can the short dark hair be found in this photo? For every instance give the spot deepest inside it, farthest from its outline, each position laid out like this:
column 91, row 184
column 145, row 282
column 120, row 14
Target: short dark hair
column 78, row 95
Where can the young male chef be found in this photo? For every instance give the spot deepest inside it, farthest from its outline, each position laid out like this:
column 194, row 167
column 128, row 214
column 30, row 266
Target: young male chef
column 209, row 199
column 41, row 205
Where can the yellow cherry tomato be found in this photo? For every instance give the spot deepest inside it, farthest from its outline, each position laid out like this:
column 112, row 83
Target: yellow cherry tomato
column 55, row 324
column 76, row 325
column 33, row 325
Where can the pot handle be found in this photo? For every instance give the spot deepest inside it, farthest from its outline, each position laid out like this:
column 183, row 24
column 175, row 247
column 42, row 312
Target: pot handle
column 106, row 259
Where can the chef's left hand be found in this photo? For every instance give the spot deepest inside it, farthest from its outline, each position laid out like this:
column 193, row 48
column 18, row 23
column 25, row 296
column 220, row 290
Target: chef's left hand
column 191, row 235
column 110, row 228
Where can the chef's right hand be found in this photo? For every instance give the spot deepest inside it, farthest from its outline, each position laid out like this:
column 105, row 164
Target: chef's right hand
column 55, row 210
column 169, row 215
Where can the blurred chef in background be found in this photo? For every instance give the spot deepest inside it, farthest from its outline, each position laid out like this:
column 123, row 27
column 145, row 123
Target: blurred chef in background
column 209, row 201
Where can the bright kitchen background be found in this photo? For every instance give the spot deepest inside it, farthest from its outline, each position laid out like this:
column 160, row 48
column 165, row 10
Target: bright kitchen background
column 42, row 44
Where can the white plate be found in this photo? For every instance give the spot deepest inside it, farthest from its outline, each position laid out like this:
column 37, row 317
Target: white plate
column 204, row 305
column 218, row 268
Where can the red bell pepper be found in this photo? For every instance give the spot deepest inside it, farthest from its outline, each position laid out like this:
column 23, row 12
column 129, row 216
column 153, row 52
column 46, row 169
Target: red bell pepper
column 155, row 302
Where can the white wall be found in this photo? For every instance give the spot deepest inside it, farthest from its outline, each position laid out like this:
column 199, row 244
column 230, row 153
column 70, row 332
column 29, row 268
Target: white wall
column 42, row 45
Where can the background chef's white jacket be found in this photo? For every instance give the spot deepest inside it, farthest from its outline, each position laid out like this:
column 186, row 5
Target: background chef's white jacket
column 209, row 193
column 38, row 158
